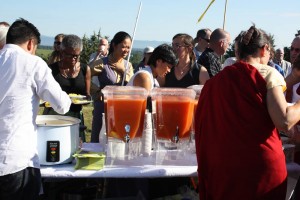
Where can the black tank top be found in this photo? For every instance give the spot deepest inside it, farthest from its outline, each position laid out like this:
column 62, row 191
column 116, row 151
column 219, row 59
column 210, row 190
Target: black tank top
column 190, row 78
column 71, row 85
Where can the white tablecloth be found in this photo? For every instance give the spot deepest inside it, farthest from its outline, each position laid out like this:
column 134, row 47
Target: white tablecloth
column 147, row 171
column 142, row 168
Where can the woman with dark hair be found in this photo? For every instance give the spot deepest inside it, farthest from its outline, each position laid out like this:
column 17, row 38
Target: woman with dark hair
column 239, row 113
column 110, row 71
column 56, row 54
column 186, row 72
column 160, row 63
column 73, row 76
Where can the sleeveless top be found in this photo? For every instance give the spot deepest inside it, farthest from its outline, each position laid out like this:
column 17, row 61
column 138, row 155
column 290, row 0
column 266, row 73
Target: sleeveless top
column 71, row 85
column 147, row 70
column 190, row 78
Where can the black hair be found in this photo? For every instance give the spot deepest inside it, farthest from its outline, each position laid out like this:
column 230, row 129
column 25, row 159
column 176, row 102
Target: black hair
column 165, row 53
column 21, row 31
column 118, row 38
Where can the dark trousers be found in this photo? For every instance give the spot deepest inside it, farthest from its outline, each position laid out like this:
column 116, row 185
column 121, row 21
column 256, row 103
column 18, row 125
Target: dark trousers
column 97, row 120
column 22, row 185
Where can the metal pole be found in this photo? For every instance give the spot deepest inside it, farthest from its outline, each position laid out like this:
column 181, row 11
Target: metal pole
column 126, row 68
column 224, row 21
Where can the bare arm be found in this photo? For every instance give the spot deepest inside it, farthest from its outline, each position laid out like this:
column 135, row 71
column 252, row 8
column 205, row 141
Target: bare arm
column 203, row 75
column 142, row 80
column 88, row 80
column 283, row 116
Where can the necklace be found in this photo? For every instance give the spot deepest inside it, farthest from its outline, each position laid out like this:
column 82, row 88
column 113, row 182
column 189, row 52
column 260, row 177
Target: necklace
column 67, row 72
column 183, row 70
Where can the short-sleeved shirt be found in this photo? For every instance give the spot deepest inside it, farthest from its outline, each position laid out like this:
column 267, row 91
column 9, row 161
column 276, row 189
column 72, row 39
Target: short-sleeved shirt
column 271, row 75
column 211, row 61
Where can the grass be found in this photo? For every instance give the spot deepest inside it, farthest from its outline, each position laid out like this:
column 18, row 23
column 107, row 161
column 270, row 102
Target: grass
column 44, row 53
column 88, row 116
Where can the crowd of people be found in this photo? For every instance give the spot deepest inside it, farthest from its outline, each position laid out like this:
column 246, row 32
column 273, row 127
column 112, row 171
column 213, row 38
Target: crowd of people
column 242, row 107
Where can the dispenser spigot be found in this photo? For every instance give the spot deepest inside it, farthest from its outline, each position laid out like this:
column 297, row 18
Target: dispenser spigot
column 127, row 136
column 176, row 136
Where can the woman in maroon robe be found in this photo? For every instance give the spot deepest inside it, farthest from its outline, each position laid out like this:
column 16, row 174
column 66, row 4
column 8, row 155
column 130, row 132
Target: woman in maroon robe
column 239, row 151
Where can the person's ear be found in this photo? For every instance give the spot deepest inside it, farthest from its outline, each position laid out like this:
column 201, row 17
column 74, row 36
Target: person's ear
column 158, row 62
column 266, row 50
column 31, row 46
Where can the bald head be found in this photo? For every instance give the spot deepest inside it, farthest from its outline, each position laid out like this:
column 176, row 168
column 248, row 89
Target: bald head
column 103, row 41
column 218, row 35
column 219, row 41
column 103, row 47
column 295, row 49
column 279, row 54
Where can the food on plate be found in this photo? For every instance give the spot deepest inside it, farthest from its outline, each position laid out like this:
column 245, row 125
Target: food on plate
column 73, row 95
column 80, row 101
column 47, row 104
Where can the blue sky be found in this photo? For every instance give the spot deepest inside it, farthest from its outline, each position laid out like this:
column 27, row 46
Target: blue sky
column 159, row 20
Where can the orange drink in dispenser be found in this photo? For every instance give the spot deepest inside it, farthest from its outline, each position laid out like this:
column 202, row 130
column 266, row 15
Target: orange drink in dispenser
column 125, row 111
column 174, row 113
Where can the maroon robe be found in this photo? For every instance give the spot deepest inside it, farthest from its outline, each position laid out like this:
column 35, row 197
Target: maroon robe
column 239, row 150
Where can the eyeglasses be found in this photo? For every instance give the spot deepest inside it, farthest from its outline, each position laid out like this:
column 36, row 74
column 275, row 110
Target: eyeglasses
column 177, row 46
column 297, row 50
column 57, row 43
column 71, row 55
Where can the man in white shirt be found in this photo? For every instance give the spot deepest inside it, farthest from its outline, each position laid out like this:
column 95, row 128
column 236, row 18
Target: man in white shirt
column 25, row 79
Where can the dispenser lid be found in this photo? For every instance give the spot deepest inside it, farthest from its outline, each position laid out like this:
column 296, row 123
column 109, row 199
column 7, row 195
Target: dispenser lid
column 173, row 92
column 197, row 89
column 124, row 91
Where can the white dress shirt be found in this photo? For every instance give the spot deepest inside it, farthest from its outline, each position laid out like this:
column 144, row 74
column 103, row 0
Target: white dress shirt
column 24, row 80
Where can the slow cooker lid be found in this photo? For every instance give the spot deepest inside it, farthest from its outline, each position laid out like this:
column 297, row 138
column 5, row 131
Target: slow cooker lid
column 56, row 120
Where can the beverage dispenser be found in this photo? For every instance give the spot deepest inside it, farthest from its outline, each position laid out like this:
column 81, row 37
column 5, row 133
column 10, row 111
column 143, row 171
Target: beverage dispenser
column 125, row 108
column 173, row 111
column 197, row 89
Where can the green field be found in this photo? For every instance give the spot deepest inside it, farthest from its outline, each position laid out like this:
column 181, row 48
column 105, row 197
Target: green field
column 43, row 53
column 88, row 116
